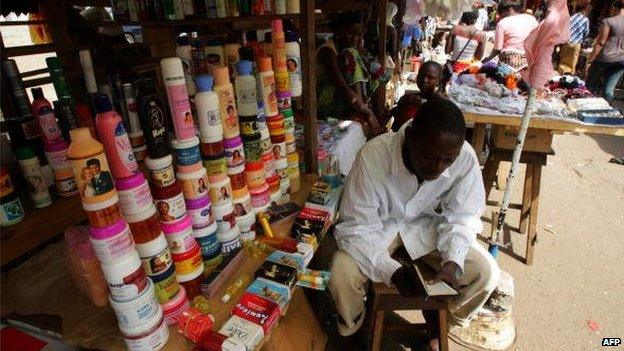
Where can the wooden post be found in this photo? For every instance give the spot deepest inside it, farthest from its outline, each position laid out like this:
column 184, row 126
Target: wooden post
column 532, row 230
column 308, row 67
column 383, row 30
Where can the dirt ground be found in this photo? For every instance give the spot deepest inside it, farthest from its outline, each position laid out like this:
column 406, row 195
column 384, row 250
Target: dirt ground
column 577, row 274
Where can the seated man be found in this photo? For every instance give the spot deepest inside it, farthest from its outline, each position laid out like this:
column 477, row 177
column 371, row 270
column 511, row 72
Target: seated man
column 428, row 80
column 420, row 188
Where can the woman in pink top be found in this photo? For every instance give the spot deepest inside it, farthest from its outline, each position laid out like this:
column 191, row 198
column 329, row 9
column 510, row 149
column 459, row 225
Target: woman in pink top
column 511, row 30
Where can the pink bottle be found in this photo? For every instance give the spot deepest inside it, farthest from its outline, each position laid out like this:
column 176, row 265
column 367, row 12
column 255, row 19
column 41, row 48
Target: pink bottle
column 113, row 135
column 177, row 94
column 43, row 112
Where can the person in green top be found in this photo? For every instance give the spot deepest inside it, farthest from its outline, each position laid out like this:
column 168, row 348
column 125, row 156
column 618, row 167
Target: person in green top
column 344, row 85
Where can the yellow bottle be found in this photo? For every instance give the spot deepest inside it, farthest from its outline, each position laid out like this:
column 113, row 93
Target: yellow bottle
column 234, row 289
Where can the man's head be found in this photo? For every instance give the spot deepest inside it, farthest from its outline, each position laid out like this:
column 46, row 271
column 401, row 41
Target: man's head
column 434, row 139
column 94, row 166
column 347, row 29
column 429, row 78
column 470, row 17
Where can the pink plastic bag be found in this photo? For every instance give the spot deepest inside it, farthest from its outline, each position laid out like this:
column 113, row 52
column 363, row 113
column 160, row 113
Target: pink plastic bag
column 84, row 267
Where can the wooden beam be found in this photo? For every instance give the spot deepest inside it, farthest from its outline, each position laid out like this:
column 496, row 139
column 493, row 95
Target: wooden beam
column 34, row 72
column 383, row 30
column 37, row 82
column 28, row 50
column 308, row 68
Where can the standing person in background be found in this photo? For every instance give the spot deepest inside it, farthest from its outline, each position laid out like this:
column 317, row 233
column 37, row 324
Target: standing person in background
column 579, row 30
column 512, row 28
column 343, row 82
column 607, row 58
column 465, row 42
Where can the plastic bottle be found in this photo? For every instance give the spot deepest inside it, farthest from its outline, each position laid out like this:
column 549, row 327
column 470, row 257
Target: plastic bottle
column 293, row 7
column 221, row 8
column 231, row 54
column 280, row 7
column 207, row 103
column 267, row 46
column 200, row 66
column 232, row 8
column 293, row 64
column 269, row 99
column 83, row 112
column 227, row 107
column 44, row 114
column 65, row 111
column 178, row 9
column 87, row 69
column 153, row 118
column 214, row 54
column 58, row 77
column 113, row 134
column 189, row 9
column 246, row 96
column 235, row 288
column 133, row 117
column 173, row 75
column 31, row 171
column 185, row 52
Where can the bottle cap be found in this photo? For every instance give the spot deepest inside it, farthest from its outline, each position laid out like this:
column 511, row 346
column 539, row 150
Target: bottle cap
column 204, row 82
column 221, row 75
column 53, row 63
column 24, row 153
column 264, row 64
column 172, row 68
column 291, row 36
column 244, row 67
column 102, row 103
column 276, row 26
column 37, row 93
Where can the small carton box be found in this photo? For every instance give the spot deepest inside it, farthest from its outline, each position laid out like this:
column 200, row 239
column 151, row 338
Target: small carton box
column 243, row 331
column 258, row 310
column 293, row 260
column 269, row 290
column 278, row 273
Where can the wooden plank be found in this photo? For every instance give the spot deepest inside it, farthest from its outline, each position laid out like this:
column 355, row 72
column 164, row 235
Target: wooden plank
column 308, row 67
column 383, row 30
column 344, row 5
column 28, row 50
column 544, row 123
column 34, row 72
column 526, row 199
column 378, row 331
column 39, row 226
column 532, row 233
column 478, row 138
column 37, row 82
column 443, row 321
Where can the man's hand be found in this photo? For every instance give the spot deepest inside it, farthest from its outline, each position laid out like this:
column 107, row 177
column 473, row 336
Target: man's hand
column 450, row 274
column 403, row 282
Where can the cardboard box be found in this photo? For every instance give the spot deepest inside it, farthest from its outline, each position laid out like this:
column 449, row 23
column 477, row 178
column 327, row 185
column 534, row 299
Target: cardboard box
column 243, row 332
column 269, row 290
column 258, row 310
column 278, row 273
column 215, row 279
column 294, row 260
column 537, row 140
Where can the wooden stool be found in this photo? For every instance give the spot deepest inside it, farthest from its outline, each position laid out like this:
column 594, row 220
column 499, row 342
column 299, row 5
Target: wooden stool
column 530, row 196
column 387, row 298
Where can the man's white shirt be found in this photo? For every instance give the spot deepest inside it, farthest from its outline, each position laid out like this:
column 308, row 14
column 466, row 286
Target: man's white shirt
column 382, row 198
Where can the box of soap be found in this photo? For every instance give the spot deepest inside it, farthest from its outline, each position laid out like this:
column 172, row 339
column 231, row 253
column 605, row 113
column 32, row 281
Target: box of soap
column 269, row 290
column 258, row 310
column 243, row 332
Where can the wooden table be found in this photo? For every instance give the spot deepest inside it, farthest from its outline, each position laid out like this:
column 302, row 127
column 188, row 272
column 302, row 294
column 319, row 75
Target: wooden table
column 43, row 286
column 555, row 125
column 534, row 155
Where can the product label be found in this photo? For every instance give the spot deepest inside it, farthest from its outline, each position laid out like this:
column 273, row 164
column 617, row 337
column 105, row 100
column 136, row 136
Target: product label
column 134, row 200
column 209, row 245
column 188, row 156
column 66, row 187
column 220, row 192
column 265, row 145
column 49, row 127
column 11, row 211
column 201, row 217
column 247, row 96
column 167, row 288
column 154, row 341
column 6, row 187
column 110, row 249
column 163, row 177
column 129, row 287
column 281, row 79
column 183, row 123
column 195, row 188
column 171, row 209
column 190, row 265
column 124, row 148
column 226, row 223
column 283, row 103
column 157, row 264
column 30, row 129
column 232, row 245
column 35, row 184
column 279, row 151
column 235, row 156
column 253, row 150
column 58, row 159
column 269, row 97
column 217, row 166
column 93, row 177
column 249, row 127
column 158, row 131
column 227, row 111
column 199, row 61
column 242, row 208
column 181, row 242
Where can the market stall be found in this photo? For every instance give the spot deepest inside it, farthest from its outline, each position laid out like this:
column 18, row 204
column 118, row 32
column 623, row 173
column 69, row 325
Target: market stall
column 173, row 141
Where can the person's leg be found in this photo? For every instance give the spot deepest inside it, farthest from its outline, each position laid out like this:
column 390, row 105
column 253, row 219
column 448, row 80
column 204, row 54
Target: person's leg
column 594, row 77
column 480, row 278
column 347, row 287
column 612, row 76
